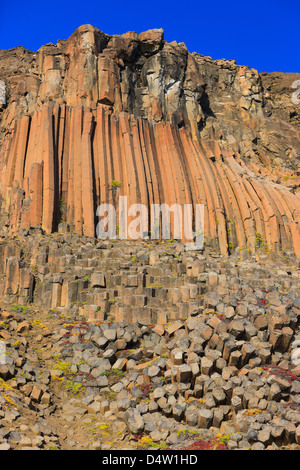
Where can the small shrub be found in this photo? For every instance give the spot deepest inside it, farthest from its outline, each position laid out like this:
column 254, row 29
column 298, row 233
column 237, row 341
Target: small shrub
column 20, row 308
column 115, row 184
column 258, row 240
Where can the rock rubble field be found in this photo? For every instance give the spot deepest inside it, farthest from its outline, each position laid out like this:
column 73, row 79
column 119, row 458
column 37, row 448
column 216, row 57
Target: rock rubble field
column 221, row 372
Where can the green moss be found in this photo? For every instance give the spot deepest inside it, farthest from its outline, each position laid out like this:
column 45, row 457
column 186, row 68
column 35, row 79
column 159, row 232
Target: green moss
column 118, row 372
column 185, row 432
column 20, row 308
column 74, row 388
column 64, row 367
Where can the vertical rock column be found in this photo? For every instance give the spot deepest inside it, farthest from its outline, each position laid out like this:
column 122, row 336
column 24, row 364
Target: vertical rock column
column 88, row 210
column 77, row 169
column 49, row 170
column 36, row 194
column 21, row 149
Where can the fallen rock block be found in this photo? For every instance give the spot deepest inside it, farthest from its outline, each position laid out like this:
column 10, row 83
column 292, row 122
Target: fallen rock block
column 134, row 421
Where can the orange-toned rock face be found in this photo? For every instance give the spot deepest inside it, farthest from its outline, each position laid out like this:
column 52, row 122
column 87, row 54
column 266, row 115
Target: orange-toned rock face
column 168, row 126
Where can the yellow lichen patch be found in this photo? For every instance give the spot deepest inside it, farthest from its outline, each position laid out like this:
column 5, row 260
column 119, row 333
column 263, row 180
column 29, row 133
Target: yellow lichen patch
column 253, row 412
column 105, row 431
column 9, row 400
column 5, row 385
column 103, row 427
column 54, row 377
column 146, row 442
column 200, row 401
column 39, row 324
column 223, row 438
column 64, row 367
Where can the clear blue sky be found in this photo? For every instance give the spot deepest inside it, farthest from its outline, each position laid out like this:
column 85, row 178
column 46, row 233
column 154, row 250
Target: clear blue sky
column 262, row 34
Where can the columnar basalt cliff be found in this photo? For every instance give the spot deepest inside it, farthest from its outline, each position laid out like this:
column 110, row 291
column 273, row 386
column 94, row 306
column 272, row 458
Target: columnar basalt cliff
column 124, row 345
column 169, row 125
